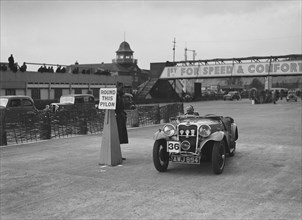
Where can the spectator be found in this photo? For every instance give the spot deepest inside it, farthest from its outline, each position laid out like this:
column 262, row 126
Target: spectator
column 23, row 68
column 75, row 70
column 47, row 108
column 11, row 62
column 44, row 68
column 40, row 70
column 277, row 95
column 58, row 70
column 121, row 115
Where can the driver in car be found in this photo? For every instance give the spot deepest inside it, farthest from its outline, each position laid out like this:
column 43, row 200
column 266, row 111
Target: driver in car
column 190, row 110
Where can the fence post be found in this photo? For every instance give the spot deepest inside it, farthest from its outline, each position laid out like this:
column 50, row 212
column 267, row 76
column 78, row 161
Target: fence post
column 157, row 115
column 83, row 117
column 3, row 138
column 45, row 127
column 83, row 126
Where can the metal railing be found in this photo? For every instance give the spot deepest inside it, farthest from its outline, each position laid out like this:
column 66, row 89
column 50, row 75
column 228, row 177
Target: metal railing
column 47, row 125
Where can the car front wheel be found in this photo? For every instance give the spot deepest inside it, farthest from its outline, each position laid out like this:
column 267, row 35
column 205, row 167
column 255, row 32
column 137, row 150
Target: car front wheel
column 218, row 157
column 232, row 150
column 160, row 155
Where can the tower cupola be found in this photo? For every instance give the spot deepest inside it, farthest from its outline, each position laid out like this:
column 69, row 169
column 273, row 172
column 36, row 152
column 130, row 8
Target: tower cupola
column 124, row 55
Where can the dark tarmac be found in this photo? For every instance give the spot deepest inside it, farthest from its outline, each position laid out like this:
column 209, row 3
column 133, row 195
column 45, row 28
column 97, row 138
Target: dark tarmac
column 61, row 178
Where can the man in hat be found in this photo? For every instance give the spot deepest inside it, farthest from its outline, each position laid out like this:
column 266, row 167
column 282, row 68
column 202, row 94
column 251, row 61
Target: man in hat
column 121, row 115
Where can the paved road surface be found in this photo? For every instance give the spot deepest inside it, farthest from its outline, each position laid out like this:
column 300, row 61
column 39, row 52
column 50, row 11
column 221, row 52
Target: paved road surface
column 61, row 178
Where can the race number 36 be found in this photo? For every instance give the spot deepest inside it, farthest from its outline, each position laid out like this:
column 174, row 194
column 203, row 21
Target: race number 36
column 173, row 146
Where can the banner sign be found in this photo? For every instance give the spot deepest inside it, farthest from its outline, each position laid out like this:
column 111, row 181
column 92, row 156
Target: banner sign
column 238, row 69
column 107, row 98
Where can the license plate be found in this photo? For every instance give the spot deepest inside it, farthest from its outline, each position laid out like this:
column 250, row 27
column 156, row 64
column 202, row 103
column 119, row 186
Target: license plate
column 173, row 147
column 185, row 159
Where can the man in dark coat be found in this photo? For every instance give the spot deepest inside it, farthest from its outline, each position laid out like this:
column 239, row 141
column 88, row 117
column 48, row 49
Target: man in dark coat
column 121, row 116
column 11, row 62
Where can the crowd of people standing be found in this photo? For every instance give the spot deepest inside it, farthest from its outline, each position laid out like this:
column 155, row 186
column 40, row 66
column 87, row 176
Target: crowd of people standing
column 14, row 67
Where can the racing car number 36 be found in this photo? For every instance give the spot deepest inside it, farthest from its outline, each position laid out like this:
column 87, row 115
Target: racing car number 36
column 173, row 147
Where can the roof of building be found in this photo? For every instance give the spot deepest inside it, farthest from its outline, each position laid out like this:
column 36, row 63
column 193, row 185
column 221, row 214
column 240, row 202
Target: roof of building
column 111, row 67
column 124, row 47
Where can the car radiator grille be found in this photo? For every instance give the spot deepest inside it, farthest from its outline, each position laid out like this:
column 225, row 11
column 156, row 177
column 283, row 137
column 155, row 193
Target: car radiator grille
column 188, row 133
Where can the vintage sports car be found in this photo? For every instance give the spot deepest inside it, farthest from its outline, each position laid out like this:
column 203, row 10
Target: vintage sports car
column 189, row 139
column 291, row 96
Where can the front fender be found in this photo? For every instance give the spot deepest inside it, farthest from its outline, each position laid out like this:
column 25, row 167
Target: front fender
column 160, row 135
column 216, row 136
column 234, row 131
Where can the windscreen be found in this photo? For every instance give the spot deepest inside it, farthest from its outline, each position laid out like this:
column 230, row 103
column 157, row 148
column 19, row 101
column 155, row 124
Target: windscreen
column 67, row 99
column 3, row 102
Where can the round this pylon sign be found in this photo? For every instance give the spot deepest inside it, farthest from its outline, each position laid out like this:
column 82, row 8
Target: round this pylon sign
column 107, row 98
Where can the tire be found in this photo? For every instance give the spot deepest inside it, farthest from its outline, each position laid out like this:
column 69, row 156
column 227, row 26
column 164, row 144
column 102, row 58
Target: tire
column 232, row 150
column 160, row 155
column 218, row 157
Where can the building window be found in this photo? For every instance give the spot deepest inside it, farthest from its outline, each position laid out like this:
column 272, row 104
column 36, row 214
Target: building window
column 58, row 93
column 10, row 92
column 78, row 91
column 35, row 93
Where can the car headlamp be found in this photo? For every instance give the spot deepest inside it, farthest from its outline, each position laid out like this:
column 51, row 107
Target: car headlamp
column 204, row 130
column 169, row 130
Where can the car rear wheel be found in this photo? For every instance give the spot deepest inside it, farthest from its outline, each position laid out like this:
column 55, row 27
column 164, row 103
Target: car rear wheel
column 218, row 157
column 160, row 155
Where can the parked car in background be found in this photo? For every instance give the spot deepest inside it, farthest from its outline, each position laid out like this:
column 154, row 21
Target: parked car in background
column 232, row 95
column 17, row 106
column 291, row 96
column 74, row 102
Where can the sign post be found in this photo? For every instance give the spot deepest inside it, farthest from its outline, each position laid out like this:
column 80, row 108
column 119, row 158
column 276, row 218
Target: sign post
column 110, row 153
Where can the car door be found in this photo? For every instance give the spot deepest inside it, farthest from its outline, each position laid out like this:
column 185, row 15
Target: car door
column 13, row 109
column 28, row 107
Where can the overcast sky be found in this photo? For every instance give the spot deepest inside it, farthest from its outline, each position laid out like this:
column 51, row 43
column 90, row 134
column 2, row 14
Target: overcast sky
column 62, row 32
